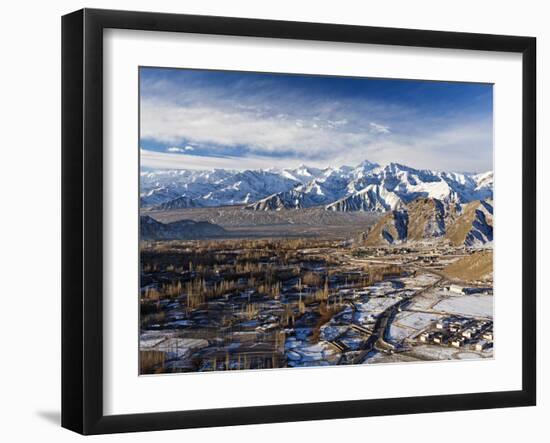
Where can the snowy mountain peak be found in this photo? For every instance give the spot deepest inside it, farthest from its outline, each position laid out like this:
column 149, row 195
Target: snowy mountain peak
column 366, row 187
column 367, row 165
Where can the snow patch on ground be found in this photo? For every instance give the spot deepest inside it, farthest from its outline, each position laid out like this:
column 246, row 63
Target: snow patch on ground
column 473, row 305
column 398, row 333
column 301, row 353
column 416, row 320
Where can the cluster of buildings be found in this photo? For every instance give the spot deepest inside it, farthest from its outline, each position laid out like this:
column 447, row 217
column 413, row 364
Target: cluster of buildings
column 461, row 290
column 460, row 332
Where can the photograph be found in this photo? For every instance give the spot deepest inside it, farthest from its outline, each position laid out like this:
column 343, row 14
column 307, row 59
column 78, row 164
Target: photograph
column 292, row 220
column 257, row 222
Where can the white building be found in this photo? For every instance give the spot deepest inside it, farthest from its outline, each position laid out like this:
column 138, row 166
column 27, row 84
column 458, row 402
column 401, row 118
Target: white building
column 456, row 289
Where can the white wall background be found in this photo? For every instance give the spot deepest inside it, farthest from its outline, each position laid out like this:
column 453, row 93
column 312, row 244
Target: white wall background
column 30, row 221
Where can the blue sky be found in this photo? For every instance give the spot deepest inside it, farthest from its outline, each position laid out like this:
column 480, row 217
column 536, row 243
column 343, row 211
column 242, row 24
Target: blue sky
column 204, row 119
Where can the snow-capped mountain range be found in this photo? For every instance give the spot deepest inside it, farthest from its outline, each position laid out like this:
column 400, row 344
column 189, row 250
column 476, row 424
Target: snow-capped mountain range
column 365, row 187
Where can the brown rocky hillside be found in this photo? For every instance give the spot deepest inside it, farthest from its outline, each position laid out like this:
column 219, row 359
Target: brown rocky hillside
column 477, row 266
column 423, row 218
column 474, row 226
column 426, row 219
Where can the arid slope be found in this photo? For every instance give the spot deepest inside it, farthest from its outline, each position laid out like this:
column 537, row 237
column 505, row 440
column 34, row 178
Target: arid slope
column 477, row 266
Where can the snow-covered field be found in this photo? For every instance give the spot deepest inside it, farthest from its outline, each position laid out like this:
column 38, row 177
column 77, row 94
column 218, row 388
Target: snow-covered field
column 425, row 301
column 428, row 352
column 375, row 305
column 419, row 281
column 407, row 324
column 178, row 348
column 398, row 333
column 302, row 353
column 416, row 320
column 469, row 305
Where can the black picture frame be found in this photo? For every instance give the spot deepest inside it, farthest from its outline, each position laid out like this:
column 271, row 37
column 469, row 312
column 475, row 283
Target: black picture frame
column 82, row 215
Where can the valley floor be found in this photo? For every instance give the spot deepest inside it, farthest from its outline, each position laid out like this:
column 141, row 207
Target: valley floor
column 289, row 302
column 244, row 223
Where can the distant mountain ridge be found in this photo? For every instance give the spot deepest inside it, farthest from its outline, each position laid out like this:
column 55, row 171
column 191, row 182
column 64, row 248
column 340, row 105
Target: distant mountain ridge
column 182, row 202
column 365, row 187
column 152, row 229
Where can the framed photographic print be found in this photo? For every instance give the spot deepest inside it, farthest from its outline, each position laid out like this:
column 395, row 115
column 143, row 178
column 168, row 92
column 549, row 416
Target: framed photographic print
column 269, row 221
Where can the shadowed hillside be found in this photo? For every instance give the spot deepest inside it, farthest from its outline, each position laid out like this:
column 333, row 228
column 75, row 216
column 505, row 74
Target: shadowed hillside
column 151, row 229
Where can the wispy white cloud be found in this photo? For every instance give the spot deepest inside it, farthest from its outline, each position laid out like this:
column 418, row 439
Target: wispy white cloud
column 213, row 125
column 379, row 129
column 178, row 149
column 164, row 160
column 272, row 126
